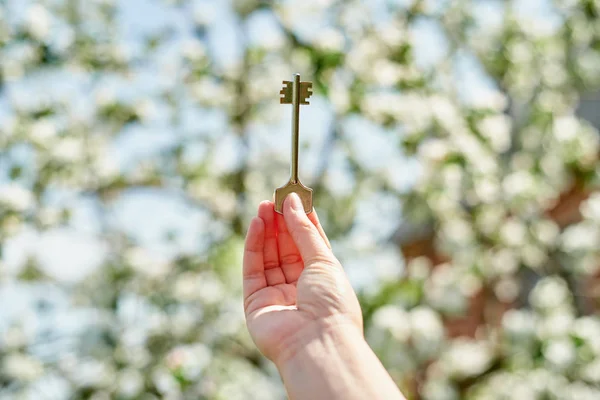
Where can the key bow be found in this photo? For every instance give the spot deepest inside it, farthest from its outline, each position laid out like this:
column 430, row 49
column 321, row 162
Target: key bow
column 287, row 93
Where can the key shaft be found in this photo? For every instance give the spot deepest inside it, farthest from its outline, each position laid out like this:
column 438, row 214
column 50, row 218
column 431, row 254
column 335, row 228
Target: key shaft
column 295, row 128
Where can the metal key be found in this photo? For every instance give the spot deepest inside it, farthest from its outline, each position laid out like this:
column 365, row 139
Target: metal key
column 295, row 93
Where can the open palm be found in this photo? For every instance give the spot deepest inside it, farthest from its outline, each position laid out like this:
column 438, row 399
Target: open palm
column 292, row 281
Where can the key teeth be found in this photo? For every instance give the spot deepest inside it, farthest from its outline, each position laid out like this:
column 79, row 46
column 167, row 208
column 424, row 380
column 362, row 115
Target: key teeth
column 286, row 93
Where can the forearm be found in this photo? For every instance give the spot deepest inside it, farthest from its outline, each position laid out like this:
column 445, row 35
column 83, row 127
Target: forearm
column 337, row 364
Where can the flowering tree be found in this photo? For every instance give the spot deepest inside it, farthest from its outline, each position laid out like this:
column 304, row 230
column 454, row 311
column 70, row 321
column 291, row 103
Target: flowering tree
column 455, row 116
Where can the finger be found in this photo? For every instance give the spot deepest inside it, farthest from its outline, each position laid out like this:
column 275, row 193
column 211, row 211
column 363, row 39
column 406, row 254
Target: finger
column 253, row 266
column 314, row 218
column 273, row 271
column 310, row 243
column 289, row 256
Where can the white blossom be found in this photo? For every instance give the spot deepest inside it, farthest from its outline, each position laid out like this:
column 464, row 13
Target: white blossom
column 39, row 21
column 204, row 13
column 392, row 33
column 144, row 262
column 165, row 382
column 21, row 367
column 427, row 330
column 489, row 219
column 419, row 268
column 580, row 236
column 362, row 54
column 42, row 131
column 497, row 130
column 565, row 128
column 487, row 190
column 444, row 292
column 190, row 360
column 519, row 323
column 193, row 50
column 69, row 149
column 131, row 382
column 210, row 289
column 546, row 231
column 518, row 183
column 330, row 40
column 560, row 353
column 581, row 391
column 436, row 389
column 93, row 373
column 106, row 167
column 549, row 293
column 434, row 150
column 459, row 231
column 16, row 197
column 446, row 112
column 393, row 319
column 590, row 209
column 588, row 329
column 591, row 371
column 212, row 93
column 507, row 290
column 555, row 325
column 533, row 256
column 488, row 99
column 513, row 232
column 467, row 358
column 504, row 261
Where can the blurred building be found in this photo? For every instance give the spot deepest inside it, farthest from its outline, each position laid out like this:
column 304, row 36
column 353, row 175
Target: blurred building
column 418, row 241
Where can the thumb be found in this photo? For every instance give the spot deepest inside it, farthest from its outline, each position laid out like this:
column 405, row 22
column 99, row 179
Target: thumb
column 308, row 239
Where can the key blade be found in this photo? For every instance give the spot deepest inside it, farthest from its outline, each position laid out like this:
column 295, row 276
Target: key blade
column 306, row 90
column 287, row 93
column 302, row 191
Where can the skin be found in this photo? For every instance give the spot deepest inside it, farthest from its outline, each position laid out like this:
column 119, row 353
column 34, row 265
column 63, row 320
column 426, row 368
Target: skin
column 302, row 312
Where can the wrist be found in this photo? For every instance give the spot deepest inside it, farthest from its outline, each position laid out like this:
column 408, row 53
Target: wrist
column 335, row 363
column 318, row 336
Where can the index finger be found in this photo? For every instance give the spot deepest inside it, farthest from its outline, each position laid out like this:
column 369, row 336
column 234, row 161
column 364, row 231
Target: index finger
column 254, row 277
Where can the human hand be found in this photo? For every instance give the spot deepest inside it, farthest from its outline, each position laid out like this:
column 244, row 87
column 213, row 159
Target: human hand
column 294, row 287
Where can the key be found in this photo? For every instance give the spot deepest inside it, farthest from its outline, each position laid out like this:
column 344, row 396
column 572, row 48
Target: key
column 295, row 93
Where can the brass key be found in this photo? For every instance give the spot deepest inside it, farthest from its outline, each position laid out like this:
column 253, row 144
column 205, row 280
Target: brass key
column 295, row 93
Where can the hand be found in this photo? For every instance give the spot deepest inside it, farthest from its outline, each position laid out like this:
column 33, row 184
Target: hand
column 294, row 287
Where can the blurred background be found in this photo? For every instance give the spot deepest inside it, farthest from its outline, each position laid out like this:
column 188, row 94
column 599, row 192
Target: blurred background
column 452, row 146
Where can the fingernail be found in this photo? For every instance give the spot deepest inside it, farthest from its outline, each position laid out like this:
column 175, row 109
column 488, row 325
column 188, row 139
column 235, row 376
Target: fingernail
column 295, row 202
